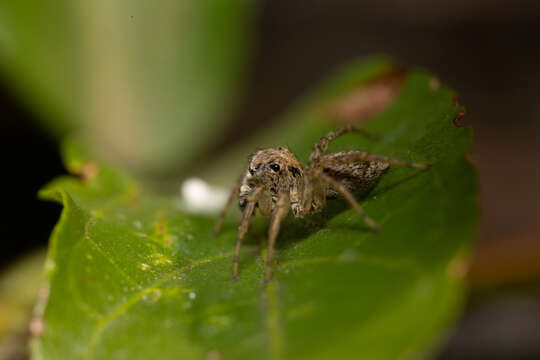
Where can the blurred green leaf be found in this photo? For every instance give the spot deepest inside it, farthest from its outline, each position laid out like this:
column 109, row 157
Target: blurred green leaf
column 147, row 84
column 19, row 285
column 133, row 277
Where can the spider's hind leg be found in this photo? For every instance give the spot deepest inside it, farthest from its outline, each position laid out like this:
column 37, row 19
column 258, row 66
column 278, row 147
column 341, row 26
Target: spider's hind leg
column 340, row 188
column 356, row 156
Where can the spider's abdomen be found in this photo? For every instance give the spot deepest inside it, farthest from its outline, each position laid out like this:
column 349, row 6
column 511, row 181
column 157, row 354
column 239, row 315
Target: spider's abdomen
column 358, row 176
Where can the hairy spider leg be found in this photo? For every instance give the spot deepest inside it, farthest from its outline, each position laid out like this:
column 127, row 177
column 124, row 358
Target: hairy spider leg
column 251, row 200
column 339, row 187
column 232, row 196
column 280, row 212
column 357, row 156
column 321, row 147
column 314, row 194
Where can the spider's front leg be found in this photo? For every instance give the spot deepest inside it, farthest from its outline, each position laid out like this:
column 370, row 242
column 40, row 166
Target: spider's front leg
column 280, row 212
column 232, row 196
column 251, row 200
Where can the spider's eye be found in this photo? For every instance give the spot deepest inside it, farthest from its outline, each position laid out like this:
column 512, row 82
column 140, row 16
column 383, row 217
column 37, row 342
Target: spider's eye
column 274, row 167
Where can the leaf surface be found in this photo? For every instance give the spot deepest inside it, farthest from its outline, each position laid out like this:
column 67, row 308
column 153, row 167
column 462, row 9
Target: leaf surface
column 134, row 277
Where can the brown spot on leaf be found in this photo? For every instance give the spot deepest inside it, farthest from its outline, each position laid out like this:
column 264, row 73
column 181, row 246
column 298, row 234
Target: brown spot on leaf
column 160, row 228
column 434, row 83
column 134, row 197
column 213, row 355
column 88, row 171
column 457, row 269
column 363, row 102
column 470, row 159
column 37, row 325
column 458, row 119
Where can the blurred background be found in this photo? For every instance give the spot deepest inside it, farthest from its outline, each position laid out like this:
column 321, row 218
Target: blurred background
column 106, row 67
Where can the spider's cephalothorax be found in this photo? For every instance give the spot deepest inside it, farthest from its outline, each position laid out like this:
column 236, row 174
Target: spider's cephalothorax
column 275, row 170
column 275, row 181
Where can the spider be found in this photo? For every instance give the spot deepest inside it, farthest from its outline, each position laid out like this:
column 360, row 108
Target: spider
column 275, row 181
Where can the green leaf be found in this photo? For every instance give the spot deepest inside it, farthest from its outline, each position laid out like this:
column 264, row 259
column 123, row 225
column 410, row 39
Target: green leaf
column 19, row 285
column 134, row 277
column 147, row 84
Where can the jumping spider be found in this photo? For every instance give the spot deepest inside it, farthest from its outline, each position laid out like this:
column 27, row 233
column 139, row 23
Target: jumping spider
column 275, row 181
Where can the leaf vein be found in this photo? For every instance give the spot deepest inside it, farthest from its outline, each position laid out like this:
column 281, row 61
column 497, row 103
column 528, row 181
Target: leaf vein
column 104, row 254
column 275, row 333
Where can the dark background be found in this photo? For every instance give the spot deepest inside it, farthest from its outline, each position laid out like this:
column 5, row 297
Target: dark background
column 488, row 51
